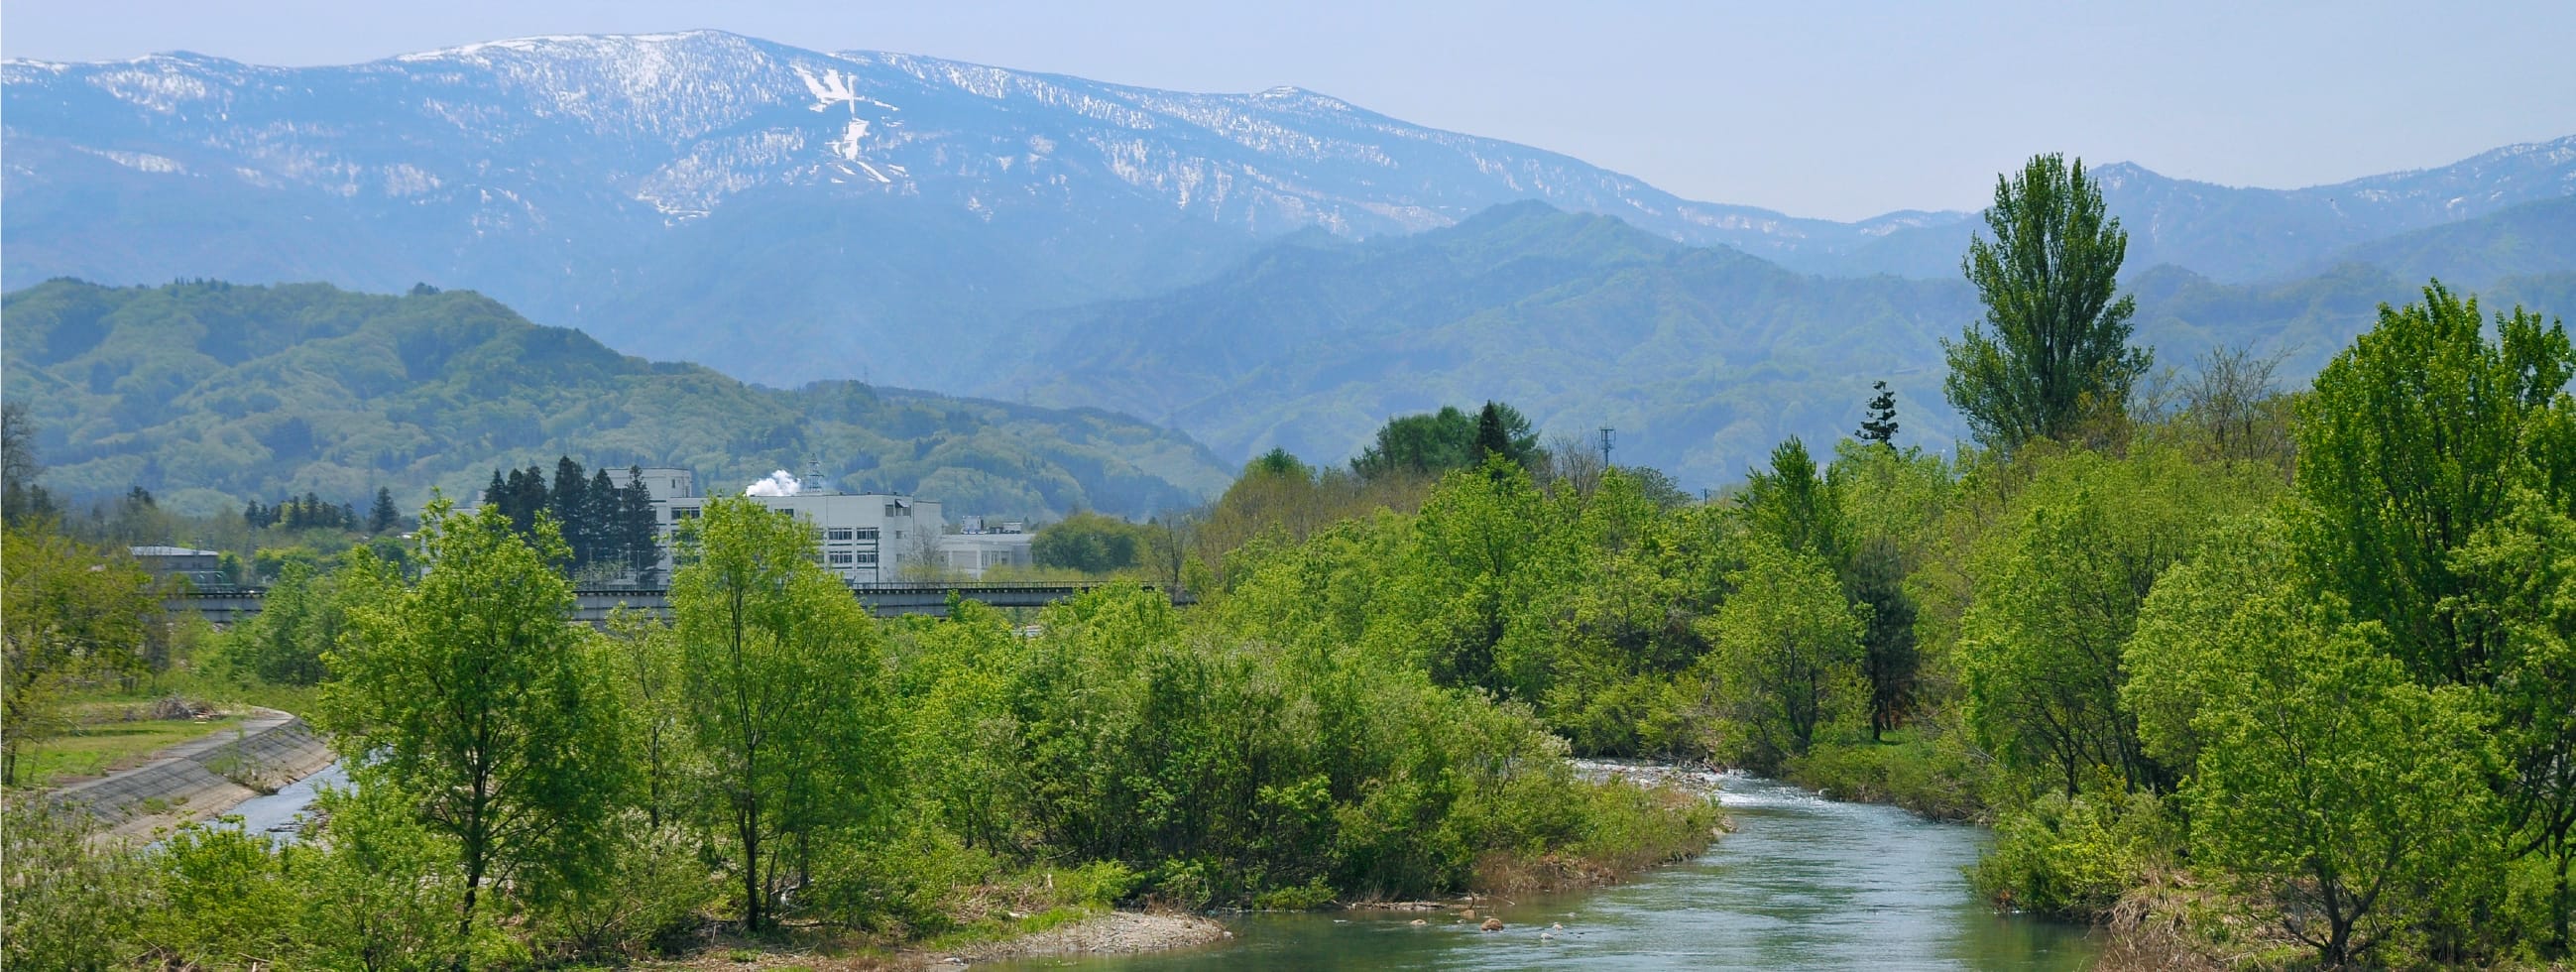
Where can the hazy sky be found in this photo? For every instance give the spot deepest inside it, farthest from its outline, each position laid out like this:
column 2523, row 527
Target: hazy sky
column 1817, row 109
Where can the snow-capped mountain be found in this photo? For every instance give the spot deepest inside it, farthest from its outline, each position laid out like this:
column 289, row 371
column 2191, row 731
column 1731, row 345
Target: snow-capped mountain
column 781, row 213
column 787, row 214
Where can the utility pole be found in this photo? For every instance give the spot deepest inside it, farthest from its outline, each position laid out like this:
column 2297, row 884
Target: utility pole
column 1605, row 446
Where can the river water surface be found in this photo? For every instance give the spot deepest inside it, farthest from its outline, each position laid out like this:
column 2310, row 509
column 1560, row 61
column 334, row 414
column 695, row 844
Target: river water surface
column 1803, row 883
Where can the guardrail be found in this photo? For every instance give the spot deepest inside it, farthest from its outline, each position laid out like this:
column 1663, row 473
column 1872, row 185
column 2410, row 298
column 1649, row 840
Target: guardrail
column 594, row 605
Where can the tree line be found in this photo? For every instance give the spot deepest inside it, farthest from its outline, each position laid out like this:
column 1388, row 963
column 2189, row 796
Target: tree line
column 608, row 529
column 528, row 791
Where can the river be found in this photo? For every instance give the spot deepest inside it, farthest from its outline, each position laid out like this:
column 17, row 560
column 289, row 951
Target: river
column 1803, row 883
column 281, row 814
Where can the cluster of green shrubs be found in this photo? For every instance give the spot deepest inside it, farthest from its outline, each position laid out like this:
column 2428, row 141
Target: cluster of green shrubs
column 530, row 792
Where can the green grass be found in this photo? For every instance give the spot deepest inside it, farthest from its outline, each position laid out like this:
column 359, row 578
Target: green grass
column 102, row 740
column 997, row 929
column 230, row 694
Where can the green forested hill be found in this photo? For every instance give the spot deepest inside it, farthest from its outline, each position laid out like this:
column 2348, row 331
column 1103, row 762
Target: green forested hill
column 1702, row 358
column 210, row 394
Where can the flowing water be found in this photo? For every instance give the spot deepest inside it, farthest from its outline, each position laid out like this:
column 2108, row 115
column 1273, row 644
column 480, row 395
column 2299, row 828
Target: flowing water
column 1803, row 883
column 281, row 814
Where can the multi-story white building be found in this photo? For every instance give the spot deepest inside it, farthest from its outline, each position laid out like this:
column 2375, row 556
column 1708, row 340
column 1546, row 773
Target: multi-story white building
column 865, row 538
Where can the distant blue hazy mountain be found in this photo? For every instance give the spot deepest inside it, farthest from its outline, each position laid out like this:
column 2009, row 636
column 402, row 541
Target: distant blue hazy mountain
column 2238, row 234
column 1701, row 357
column 786, row 214
column 779, row 213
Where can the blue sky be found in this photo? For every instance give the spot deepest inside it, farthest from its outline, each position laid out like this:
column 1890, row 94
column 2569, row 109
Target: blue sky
column 1817, row 109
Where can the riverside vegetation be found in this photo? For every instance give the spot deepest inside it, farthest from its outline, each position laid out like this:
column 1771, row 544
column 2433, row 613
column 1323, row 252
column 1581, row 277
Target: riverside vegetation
column 530, row 792
column 2259, row 678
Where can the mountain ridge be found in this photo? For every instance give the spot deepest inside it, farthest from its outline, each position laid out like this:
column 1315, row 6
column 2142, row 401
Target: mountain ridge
column 210, row 393
column 784, row 214
column 1702, row 358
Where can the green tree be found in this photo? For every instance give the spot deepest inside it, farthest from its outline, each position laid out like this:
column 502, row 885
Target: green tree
column 1795, row 505
column 2351, row 799
column 472, row 693
column 1786, row 652
column 383, row 516
column 780, row 663
column 2058, row 585
column 1481, row 557
column 21, row 500
column 2053, row 351
column 2409, row 445
column 1888, row 657
column 1089, row 542
column 1432, row 443
column 1878, row 426
column 67, row 611
column 2524, row 567
column 1502, row 431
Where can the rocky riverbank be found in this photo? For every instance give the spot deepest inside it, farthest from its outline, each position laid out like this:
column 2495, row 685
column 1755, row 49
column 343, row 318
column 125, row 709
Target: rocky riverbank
column 1111, row 933
column 1115, row 933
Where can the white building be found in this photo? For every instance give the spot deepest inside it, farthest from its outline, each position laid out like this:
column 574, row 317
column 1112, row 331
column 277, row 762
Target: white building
column 865, row 538
column 978, row 549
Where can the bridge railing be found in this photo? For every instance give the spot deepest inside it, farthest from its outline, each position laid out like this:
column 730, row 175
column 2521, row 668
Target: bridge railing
column 896, row 596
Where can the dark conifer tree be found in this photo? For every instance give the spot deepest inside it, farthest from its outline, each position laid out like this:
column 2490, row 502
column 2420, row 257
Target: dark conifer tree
column 1877, row 578
column 1491, row 438
column 383, row 516
column 1879, row 427
column 636, row 523
column 531, row 498
column 599, row 525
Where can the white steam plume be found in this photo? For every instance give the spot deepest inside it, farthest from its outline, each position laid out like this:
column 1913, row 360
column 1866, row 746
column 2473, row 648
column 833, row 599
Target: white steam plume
column 778, row 484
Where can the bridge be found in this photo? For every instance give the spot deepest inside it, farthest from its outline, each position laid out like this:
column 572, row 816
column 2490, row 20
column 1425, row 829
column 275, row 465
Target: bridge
column 884, row 600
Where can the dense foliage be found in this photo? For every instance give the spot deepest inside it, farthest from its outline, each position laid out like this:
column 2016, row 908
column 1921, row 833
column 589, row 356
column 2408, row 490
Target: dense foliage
column 211, row 395
column 529, row 791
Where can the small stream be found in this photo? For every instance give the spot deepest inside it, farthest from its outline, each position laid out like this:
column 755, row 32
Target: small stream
column 281, row 814
column 1803, row 883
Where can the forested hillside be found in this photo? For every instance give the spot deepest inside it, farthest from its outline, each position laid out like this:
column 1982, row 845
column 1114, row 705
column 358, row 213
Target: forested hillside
column 1700, row 357
column 211, row 394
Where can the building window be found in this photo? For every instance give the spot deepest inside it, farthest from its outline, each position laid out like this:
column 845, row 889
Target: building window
column 841, row 560
column 679, row 513
column 867, row 533
column 865, row 558
column 841, row 533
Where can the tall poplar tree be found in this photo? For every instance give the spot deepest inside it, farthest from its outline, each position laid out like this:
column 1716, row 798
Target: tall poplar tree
column 2053, row 351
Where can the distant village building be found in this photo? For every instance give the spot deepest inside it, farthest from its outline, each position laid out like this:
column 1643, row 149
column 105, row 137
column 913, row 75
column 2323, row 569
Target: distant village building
column 981, row 547
column 865, row 538
column 204, row 569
